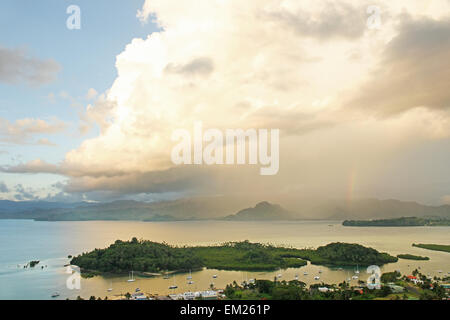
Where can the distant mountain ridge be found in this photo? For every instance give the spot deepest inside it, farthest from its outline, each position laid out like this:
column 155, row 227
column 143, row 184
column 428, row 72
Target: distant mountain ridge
column 221, row 207
column 262, row 211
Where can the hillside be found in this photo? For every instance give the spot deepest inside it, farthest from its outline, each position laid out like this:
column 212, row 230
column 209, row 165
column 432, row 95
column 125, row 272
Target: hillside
column 262, row 211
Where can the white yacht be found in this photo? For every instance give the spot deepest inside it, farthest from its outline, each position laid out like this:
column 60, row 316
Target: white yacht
column 132, row 279
column 357, row 269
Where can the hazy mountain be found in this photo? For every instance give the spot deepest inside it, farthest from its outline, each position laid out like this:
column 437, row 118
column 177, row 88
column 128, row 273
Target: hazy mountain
column 262, row 211
column 215, row 207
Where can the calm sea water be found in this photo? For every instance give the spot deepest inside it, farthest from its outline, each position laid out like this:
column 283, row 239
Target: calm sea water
column 51, row 242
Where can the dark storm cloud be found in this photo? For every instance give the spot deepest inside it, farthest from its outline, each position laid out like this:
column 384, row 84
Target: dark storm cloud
column 413, row 72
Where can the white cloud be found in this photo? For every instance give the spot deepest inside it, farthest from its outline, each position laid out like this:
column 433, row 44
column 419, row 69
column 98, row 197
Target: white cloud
column 91, row 94
column 16, row 67
column 285, row 64
column 23, row 130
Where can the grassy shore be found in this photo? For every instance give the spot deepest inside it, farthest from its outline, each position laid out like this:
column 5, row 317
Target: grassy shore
column 411, row 257
column 435, row 247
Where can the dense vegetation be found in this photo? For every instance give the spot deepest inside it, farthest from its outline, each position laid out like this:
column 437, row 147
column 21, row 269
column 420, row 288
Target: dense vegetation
column 436, row 247
column 388, row 277
column 248, row 256
column 33, row 263
column 412, row 257
column 398, row 222
column 346, row 254
column 138, row 255
column 147, row 256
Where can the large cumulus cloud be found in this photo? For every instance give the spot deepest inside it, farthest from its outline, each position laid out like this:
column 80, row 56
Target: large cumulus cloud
column 306, row 68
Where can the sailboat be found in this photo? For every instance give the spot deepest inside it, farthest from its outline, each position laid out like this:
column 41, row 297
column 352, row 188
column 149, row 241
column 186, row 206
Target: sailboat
column 110, row 288
column 189, row 277
column 132, row 279
column 357, row 270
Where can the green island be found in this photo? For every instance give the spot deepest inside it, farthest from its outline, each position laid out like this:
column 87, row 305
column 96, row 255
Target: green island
column 152, row 257
column 398, row 222
column 33, row 263
column 435, row 247
column 411, row 257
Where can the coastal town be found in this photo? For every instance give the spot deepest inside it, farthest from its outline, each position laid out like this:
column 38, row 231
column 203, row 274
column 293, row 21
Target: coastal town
column 393, row 286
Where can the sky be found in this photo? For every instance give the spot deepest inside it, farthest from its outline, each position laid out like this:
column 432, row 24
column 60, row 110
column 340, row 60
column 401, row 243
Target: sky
column 358, row 90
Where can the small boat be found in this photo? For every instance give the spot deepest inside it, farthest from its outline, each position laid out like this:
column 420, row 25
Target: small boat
column 132, row 279
column 110, row 288
column 166, row 276
column 251, row 281
column 215, row 276
column 305, row 273
column 440, row 271
column 174, row 286
column 279, row 275
column 355, row 277
column 357, row 270
column 189, row 277
column 296, row 277
column 137, row 290
column 316, row 278
column 55, row 295
column 191, row 282
column 320, row 271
